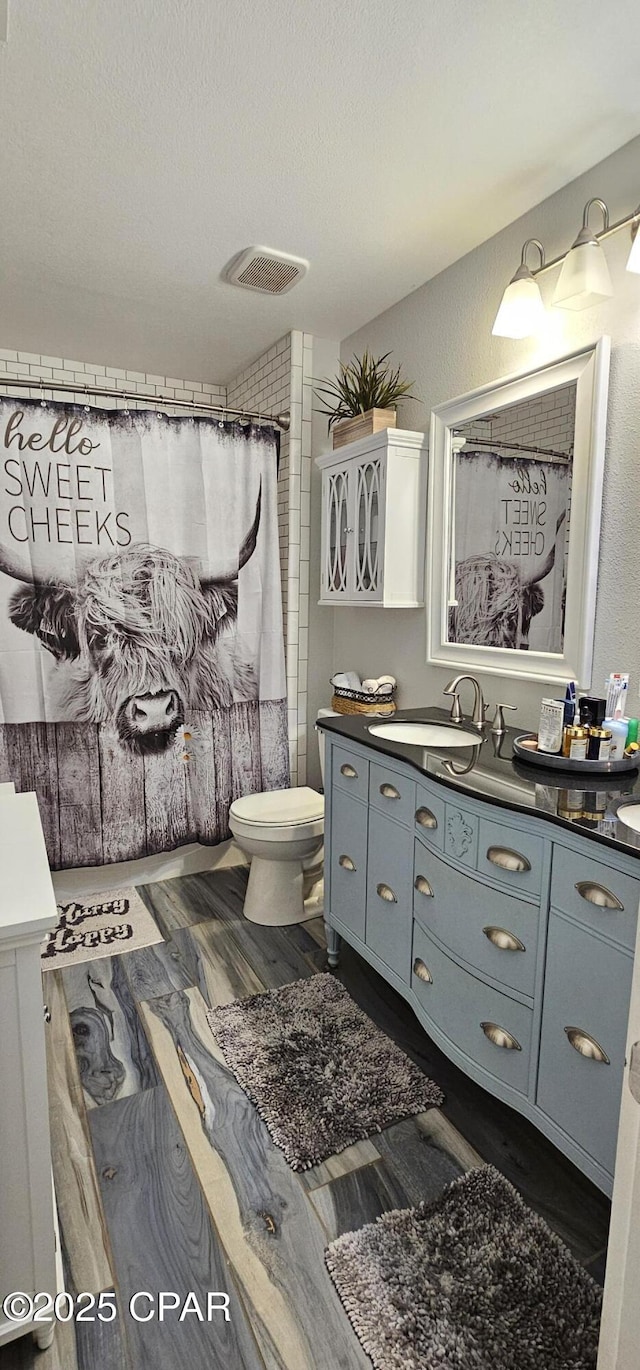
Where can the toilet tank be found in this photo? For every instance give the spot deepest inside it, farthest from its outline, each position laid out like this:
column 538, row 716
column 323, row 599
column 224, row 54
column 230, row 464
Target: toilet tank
column 323, row 713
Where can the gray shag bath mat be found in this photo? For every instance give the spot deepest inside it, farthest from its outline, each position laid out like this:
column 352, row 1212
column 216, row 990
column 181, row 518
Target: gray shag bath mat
column 319, row 1072
column 473, row 1281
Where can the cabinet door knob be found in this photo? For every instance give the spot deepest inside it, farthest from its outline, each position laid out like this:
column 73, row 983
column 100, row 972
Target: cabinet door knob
column 422, row 971
column 507, row 859
column 386, row 892
column 389, row 792
column 500, row 1037
column 586, row 1045
column 346, row 863
column 426, row 818
column 598, row 895
column 421, row 884
column 506, row 941
column 349, row 771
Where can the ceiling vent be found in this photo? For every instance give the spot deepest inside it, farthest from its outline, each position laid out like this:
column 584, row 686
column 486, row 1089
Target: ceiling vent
column 264, row 269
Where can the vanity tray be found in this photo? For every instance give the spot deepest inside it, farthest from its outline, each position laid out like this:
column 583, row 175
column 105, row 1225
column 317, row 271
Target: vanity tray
column 526, row 748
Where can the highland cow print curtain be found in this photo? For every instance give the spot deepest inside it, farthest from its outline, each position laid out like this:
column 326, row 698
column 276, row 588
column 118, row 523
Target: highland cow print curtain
column 142, row 682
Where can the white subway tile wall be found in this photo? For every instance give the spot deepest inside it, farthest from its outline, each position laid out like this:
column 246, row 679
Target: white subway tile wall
column 281, row 379
column 267, row 385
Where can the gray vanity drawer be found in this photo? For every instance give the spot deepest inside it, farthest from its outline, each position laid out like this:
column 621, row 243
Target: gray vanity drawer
column 429, row 817
column 587, row 987
column 389, row 911
column 394, row 794
column 601, row 886
column 459, row 1004
column 461, row 835
column 350, row 772
column 513, row 857
column 349, row 861
column 460, row 908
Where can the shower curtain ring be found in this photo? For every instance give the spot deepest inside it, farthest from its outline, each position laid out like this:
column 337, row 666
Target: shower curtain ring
column 43, row 402
column 126, row 403
column 87, row 406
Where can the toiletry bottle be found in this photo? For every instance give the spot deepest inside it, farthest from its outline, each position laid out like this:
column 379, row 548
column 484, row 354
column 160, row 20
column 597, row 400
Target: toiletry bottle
column 618, row 728
column 550, row 725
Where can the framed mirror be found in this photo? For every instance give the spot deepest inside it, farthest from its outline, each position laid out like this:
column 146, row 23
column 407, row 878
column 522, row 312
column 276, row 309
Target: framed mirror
column 515, row 494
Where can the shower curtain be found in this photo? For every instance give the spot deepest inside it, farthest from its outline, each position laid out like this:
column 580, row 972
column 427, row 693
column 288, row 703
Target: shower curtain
column 142, row 678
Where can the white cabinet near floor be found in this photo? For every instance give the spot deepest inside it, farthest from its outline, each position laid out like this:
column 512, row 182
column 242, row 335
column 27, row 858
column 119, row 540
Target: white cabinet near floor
column 373, row 521
column 27, row 911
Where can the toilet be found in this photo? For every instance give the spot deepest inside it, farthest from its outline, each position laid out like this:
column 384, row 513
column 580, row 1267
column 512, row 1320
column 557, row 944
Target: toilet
column 282, row 831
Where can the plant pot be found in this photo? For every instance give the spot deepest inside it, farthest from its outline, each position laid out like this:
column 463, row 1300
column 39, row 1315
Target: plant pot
column 362, row 426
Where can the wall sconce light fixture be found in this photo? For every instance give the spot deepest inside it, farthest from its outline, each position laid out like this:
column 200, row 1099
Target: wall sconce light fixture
column 584, row 278
column 521, row 309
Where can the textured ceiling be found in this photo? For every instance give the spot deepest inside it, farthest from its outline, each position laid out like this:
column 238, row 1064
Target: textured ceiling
column 144, row 142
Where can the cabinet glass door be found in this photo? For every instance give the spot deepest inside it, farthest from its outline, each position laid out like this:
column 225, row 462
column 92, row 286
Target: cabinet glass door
column 337, row 533
column 367, row 524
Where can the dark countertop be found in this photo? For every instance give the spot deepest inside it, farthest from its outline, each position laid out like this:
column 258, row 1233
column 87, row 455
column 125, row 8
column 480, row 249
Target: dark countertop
column 492, row 773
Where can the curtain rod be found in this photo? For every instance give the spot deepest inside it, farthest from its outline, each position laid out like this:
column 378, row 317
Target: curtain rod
column 517, row 447
column 282, row 421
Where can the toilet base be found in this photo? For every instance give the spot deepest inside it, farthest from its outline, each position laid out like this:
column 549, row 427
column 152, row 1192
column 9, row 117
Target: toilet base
column 275, row 894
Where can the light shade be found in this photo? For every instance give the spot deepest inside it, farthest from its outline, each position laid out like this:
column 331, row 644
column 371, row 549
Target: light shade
column 521, row 311
column 633, row 260
column 584, row 279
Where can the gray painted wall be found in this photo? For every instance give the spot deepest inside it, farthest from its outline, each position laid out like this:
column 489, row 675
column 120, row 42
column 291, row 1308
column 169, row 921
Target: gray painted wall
column 442, row 335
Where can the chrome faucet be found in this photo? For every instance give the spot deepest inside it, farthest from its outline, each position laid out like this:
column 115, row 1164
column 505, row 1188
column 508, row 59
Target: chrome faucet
column 479, row 705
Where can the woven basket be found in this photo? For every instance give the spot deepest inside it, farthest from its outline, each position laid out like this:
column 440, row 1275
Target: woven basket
column 359, row 702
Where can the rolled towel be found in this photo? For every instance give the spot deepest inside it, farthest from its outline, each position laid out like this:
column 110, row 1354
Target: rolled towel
column 346, row 680
column 370, row 686
column 387, row 680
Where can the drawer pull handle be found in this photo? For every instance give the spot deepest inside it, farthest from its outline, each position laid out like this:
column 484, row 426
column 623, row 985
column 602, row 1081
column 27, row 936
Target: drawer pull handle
column 506, row 941
column 586, row 1045
column 422, row 971
column 500, row 1037
column 346, row 863
column 426, row 818
column 389, row 792
column 507, row 859
column 386, row 892
column 599, row 895
column 421, row 884
column 350, row 771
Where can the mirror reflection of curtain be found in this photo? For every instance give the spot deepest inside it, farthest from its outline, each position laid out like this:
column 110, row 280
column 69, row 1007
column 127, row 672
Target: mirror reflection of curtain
column 510, row 563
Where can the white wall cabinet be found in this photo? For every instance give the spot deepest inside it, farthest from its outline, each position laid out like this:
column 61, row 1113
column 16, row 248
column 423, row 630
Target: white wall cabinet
column 373, row 521
column 27, row 911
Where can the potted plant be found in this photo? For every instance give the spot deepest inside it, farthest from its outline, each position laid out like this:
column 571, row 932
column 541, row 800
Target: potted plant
column 362, row 399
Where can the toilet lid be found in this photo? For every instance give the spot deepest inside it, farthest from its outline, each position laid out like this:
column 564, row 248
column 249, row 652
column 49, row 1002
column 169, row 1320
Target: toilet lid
column 282, row 807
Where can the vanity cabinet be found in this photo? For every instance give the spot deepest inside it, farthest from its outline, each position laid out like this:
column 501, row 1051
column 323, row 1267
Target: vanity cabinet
column 511, row 938
column 373, row 519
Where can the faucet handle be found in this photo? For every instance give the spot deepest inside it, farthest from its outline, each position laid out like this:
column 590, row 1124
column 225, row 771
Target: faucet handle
column 456, row 707
column 498, row 725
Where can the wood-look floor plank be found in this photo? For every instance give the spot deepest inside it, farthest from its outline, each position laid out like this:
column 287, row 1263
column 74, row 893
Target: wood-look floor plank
column 352, row 1158
column 163, row 1237
column 82, row 1225
column 357, row 1198
column 419, row 1165
column 102, row 1345
column 216, row 964
column 109, row 1040
column 155, row 970
column 271, row 1234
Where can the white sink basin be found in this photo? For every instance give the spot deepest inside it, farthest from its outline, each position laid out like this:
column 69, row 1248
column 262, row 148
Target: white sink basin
column 426, row 734
column 630, row 814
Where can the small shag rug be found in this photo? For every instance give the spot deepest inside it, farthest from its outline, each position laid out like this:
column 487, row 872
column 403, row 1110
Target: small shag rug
column 319, row 1072
column 100, row 925
column 473, row 1281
